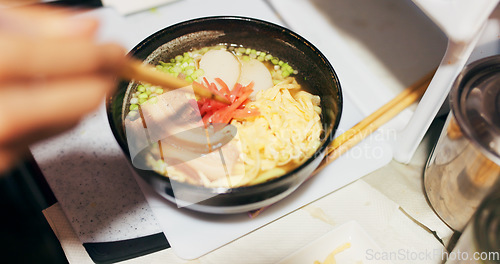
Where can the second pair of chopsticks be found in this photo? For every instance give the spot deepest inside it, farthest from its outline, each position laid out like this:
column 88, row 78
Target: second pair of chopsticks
column 135, row 69
column 370, row 124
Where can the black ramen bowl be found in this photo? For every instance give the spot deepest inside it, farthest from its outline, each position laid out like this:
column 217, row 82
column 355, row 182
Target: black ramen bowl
column 313, row 70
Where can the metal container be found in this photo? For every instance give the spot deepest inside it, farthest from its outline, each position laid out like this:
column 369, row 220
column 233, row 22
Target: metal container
column 480, row 242
column 465, row 163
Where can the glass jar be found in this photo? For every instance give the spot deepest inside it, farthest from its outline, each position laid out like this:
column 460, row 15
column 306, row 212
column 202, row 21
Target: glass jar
column 465, row 163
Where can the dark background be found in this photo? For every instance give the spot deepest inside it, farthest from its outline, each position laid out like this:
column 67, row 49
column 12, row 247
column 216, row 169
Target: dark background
column 25, row 235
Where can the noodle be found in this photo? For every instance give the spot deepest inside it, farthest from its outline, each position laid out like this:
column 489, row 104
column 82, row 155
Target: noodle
column 284, row 135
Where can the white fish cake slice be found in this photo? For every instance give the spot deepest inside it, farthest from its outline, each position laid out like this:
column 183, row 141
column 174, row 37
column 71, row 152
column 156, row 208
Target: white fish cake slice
column 221, row 64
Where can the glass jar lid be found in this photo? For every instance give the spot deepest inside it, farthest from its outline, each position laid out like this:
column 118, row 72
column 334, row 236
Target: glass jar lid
column 475, row 102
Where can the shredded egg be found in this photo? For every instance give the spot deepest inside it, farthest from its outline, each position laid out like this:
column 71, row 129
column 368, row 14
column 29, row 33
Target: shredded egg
column 285, row 134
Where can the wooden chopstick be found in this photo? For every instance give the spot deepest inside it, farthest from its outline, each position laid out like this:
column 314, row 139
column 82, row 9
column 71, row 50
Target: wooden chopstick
column 370, row 124
column 134, row 69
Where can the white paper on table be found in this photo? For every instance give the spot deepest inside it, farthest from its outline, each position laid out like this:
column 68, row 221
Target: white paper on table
column 459, row 19
column 375, row 213
column 130, row 7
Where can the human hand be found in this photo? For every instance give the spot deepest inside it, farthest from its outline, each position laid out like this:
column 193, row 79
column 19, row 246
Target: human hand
column 52, row 73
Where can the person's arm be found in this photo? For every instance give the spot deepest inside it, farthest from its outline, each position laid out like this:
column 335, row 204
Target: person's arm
column 52, row 73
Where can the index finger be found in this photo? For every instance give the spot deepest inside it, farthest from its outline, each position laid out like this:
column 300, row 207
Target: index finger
column 46, row 21
column 23, row 58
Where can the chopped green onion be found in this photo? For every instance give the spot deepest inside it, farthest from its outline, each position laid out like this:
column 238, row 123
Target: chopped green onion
column 153, row 100
column 132, row 114
column 198, row 73
column 189, row 71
